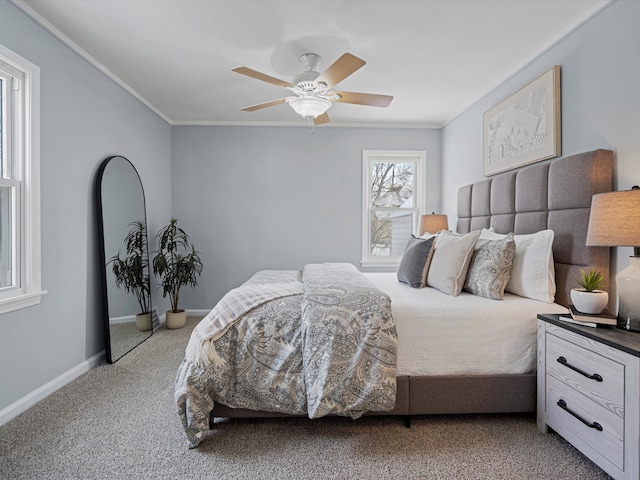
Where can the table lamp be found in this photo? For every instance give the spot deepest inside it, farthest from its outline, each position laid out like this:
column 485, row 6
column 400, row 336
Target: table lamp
column 615, row 222
column 433, row 223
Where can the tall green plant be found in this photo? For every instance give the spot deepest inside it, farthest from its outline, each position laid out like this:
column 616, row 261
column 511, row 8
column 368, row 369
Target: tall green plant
column 176, row 262
column 132, row 271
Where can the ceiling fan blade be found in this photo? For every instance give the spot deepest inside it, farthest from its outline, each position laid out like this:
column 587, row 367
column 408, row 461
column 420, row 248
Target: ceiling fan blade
column 262, row 76
column 371, row 99
column 260, row 106
column 339, row 70
column 320, row 119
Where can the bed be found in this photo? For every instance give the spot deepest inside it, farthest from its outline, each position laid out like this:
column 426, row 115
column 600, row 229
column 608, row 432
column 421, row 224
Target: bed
column 428, row 350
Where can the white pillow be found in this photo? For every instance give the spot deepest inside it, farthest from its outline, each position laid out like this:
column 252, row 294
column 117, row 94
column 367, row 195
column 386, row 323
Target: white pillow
column 533, row 273
column 450, row 261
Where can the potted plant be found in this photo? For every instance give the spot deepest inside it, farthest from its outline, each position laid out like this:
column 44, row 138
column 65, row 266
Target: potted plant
column 132, row 271
column 588, row 298
column 178, row 264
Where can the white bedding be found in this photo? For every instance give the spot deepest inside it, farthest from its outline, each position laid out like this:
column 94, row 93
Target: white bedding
column 443, row 335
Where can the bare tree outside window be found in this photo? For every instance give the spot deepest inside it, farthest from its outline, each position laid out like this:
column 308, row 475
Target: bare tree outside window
column 392, row 188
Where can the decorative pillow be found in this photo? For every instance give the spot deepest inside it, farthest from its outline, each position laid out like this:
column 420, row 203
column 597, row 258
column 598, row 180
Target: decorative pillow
column 490, row 267
column 450, row 261
column 415, row 261
column 533, row 273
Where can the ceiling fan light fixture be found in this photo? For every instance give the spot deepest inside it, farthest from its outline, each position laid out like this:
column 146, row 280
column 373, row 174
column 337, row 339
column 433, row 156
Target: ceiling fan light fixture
column 309, row 107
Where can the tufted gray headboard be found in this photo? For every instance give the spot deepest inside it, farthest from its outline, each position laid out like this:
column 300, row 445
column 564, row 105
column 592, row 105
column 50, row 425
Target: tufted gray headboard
column 554, row 195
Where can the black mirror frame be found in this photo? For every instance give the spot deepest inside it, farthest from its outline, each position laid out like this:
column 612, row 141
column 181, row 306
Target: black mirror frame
column 103, row 259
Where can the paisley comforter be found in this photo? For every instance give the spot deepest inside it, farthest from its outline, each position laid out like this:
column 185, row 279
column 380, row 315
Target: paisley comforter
column 320, row 341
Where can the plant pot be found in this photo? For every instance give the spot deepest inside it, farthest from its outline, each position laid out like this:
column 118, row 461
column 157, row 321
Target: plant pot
column 589, row 302
column 176, row 319
column 143, row 322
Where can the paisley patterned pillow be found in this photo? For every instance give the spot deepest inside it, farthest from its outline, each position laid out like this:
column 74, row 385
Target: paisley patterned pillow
column 490, row 267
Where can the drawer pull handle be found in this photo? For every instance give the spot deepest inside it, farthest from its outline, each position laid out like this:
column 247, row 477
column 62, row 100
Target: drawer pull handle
column 564, row 362
column 563, row 405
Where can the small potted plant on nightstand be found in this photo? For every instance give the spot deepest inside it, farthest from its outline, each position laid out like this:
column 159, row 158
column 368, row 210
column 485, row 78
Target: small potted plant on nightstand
column 178, row 264
column 588, row 298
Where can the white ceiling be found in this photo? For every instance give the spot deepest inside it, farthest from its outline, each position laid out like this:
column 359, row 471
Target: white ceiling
column 436, row 57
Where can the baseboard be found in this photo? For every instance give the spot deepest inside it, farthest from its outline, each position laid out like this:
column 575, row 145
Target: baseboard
column 118, row 320
column 29, row 400
column 194, row 313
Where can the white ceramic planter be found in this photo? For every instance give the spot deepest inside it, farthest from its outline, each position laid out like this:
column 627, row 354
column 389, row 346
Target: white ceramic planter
column 589, row 302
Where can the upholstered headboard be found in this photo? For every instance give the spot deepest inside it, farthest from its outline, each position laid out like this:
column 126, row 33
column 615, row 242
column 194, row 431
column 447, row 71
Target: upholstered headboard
column 554, row 195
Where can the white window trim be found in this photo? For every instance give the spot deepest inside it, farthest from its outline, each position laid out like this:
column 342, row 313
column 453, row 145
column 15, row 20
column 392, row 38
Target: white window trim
column 374, row 156
column 29, row 291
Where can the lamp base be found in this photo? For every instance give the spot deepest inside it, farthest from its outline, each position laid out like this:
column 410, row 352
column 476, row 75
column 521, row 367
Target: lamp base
column 628, row 324
column 628, row 282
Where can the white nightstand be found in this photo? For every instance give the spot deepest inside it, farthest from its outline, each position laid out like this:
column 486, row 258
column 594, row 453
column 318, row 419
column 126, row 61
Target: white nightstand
column 589, row 392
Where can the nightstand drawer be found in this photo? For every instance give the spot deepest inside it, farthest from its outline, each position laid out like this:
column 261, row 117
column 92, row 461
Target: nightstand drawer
column 591, row 374
column 598, row 428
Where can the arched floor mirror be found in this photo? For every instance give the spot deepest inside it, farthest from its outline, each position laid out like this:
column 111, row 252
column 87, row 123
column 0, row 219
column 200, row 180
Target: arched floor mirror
column 124, row 257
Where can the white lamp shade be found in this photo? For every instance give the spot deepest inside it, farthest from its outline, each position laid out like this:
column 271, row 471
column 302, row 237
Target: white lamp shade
column 309, row 107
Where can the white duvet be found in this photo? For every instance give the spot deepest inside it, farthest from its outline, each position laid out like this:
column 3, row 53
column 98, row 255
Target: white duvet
column 443, row 335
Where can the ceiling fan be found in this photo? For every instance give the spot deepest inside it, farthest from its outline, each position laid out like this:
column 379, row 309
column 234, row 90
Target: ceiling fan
column 313, row 90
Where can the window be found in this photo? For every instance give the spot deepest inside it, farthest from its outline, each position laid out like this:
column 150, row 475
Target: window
column 394, row 194
column 19, row 182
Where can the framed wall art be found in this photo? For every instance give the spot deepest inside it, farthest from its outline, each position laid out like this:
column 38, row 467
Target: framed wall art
column 525, row 127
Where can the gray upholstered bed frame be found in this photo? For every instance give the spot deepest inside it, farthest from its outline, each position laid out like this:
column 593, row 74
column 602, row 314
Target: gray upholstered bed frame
column 554, row 195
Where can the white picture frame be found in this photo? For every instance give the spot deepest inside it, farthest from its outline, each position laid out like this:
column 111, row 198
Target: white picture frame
column 525, row 127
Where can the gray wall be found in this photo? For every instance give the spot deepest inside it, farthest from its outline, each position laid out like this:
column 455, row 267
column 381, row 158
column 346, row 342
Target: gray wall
column 259, row 198
column 600, row 77
column 85, row 117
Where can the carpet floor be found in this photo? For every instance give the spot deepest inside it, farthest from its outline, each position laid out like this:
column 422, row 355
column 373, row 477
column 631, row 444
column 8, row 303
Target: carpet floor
column 119, row 422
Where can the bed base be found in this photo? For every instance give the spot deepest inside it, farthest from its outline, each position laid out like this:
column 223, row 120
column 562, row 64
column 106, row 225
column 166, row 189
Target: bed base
column 437, row 395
